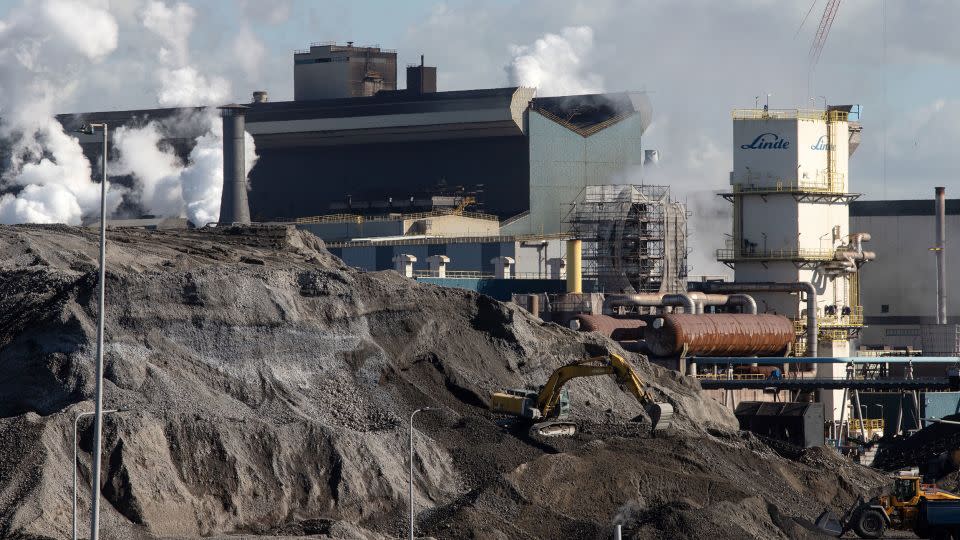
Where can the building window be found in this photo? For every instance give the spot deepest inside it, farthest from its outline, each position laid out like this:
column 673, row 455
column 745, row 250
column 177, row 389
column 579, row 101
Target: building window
column 885, row 308
column 901, row 332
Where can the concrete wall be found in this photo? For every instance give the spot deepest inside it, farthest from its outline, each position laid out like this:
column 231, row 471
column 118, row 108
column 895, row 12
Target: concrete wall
column 899, row 289
column 321, row 81
column 774, row 216
column 563, row 162
column 797, row 152
column 464, row 256
column 753, row 164
column 531, row 256
column 297, row 181
column 452, row 225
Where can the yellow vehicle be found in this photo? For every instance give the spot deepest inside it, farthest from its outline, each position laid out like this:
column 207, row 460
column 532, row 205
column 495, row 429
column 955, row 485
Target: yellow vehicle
column 926, row 510
column 549, row 407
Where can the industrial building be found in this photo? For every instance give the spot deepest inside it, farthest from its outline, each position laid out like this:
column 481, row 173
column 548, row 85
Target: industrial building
column 350, row 145
column 542, row 200
column 900, row 297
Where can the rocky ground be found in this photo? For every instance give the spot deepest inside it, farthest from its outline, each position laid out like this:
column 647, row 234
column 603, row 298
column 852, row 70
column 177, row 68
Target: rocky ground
column 265, row 390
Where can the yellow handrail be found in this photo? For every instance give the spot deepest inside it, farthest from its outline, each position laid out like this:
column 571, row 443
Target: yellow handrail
column 790, row 114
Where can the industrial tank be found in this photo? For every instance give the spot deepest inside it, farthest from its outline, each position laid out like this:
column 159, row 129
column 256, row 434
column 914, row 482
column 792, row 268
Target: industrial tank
column 724, row 334
column 616, row 329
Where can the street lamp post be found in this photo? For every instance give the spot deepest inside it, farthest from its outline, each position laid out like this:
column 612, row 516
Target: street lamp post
column 98, row 412
column 76, row 424
column 410, row 494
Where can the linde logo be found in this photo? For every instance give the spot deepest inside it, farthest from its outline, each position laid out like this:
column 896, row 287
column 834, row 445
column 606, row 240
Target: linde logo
column 767, row 141
column 821, row 144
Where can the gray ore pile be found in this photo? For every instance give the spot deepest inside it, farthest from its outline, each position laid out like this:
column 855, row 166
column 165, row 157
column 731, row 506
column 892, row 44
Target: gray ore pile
column 265, row 388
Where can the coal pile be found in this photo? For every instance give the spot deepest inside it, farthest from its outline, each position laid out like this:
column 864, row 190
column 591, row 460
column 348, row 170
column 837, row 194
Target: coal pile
column 266, row 387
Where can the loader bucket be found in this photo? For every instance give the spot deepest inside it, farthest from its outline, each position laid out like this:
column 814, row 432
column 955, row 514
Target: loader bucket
column 829, row 524
column 661, row 415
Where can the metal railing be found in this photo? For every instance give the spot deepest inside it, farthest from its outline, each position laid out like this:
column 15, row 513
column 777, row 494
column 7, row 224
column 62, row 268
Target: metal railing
column 358, row 218
column 868, row 423
column 470, row 274
column 732, row 377
column 833, row 185
column 855, row 318
column 790, row 114
column 801, row 254
column 424, row 241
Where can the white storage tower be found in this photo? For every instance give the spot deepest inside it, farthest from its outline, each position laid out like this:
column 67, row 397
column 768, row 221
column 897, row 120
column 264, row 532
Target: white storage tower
column 790, row 196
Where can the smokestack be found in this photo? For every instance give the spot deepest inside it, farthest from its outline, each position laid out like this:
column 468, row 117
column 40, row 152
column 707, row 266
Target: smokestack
column 941, row 234
column 260, row 96
column 233, row 203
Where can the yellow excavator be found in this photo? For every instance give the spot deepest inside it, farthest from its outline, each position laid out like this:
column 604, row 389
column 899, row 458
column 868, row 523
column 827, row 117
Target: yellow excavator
column 549, row 407
column 926, row 510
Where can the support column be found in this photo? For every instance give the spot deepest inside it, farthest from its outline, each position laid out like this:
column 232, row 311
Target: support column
column 557, row 268
column 403, row 263
column 503, row 267
column 438, row 265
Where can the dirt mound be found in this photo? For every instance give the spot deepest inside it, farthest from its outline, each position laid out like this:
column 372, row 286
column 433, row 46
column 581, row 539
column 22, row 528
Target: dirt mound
column 266, row 387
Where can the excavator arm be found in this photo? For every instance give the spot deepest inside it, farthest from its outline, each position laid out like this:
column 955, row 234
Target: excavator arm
column 546, row 402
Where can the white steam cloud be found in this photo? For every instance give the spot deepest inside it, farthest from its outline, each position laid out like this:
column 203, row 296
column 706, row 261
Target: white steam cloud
column 181, row 84
column 557, row 65
column 165, row 185
column 47, row 178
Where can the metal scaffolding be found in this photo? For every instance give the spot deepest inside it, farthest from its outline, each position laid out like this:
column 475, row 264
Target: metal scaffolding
column 634, row 237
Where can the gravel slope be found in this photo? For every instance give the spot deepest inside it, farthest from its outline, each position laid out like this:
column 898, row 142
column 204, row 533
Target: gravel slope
column 267, row 386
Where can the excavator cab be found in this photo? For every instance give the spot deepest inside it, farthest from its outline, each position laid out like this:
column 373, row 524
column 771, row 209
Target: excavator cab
column 905, row 489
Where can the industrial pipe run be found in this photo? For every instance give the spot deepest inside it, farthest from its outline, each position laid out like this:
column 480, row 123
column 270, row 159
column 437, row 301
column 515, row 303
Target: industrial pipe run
column 746, row 302
column 762, row 286
column 941, row 233
column 648, row 300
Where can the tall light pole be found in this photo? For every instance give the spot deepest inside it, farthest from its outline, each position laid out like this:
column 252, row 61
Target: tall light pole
column 411, row 464
column 76, row 423
column 98, row 410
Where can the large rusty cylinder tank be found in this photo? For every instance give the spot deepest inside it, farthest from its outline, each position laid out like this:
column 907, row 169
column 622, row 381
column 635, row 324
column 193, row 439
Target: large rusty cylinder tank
column 722, row 334
column 617, row 329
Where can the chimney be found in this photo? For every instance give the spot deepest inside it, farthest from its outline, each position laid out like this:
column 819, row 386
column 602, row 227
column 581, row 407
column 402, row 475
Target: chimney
column 260, row 96
column 233, row 202
column 421, row 79
column 940, row 248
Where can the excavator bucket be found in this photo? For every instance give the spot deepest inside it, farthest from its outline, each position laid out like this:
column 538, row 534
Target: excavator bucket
column 661, row 415
column 829, row 524
column 553, row 429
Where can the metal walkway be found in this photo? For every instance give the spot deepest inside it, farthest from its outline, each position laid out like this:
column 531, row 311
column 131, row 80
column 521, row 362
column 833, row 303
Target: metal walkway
column 923, row 383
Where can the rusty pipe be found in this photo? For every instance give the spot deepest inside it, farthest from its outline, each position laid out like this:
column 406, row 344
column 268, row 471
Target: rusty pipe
column 769, row 286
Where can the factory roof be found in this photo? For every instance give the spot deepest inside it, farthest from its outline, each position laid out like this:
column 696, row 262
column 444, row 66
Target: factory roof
column 402, row 116
column 586, row 114
column 909, row 207
column 388, row 102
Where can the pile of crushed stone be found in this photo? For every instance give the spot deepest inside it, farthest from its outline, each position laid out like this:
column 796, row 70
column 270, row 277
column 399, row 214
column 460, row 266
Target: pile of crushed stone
column 265, row 388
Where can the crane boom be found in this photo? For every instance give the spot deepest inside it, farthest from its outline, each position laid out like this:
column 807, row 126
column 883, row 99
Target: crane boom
column 823, row 30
